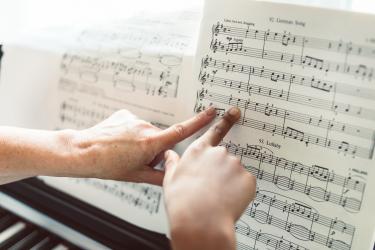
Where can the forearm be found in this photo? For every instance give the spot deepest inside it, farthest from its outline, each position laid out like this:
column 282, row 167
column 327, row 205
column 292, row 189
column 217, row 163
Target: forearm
column 26, row 153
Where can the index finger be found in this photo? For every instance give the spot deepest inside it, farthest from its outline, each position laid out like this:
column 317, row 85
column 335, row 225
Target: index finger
column 217, row 132
column 171, row 136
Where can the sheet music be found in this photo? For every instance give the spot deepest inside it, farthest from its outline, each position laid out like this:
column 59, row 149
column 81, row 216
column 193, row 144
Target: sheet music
column 144, row 57
column 134, row 64
column 304, row 80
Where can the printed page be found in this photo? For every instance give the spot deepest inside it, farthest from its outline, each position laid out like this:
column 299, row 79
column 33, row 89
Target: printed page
column 92, row 72
column 304, row 80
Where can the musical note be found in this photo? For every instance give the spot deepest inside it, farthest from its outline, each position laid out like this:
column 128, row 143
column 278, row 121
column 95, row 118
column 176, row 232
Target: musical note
column 316, row 63
column 289, row 132
column 263, row 211
column 128, row 77
column 293, row 97
column 313, row 82
column 293, row 59
column 267, row 239
column 295, row 40
column 320, row 174
column 289, row 206
column 294, row 133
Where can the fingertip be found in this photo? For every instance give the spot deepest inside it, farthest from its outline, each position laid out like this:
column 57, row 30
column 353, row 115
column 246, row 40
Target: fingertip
column 211, row 111
column 204, row 118
column 169, row 137
column 168, row 153
column 221, row 128
column 171, row 157
column 234, row 113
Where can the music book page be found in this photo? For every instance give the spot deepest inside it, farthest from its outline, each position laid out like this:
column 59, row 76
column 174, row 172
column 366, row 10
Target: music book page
column 134, row 64
column 304, row 80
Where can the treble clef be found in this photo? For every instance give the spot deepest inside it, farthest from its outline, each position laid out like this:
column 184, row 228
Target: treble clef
column 205, row 61
column 214, row 45
column 202, row 93
column 216, row 28
column 203, row 77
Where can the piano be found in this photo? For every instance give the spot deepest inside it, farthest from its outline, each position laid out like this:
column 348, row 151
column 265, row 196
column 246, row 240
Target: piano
column 31, row 212
column 18, row 233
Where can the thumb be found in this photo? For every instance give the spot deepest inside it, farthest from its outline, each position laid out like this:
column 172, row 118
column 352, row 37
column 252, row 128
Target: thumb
column 150, row 176
column 171, row 159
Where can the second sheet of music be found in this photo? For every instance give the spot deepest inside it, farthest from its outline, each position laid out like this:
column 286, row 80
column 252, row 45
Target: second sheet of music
column 307, row 130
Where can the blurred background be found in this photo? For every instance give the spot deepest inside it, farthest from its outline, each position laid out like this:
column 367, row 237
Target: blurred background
column 20, row 15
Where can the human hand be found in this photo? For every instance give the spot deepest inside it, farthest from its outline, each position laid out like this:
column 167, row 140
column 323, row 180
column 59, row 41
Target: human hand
column 206, row 191
column 124, row 147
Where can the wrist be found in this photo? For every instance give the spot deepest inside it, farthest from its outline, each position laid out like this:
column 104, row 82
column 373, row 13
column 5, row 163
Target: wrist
column 197, row 233
column 69, row 155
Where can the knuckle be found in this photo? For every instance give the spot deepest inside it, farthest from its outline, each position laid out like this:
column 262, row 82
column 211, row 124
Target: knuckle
column 179, row 129
column 218, row 129
column 146, row 145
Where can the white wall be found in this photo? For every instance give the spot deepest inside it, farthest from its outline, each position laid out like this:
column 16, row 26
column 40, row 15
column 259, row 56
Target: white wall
column 19, row 15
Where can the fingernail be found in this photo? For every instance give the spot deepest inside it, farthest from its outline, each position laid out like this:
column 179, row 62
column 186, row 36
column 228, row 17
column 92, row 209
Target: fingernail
column 211, row 111
column 234, row 111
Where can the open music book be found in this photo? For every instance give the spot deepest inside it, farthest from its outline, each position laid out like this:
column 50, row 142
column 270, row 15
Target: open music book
column 303, row 78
